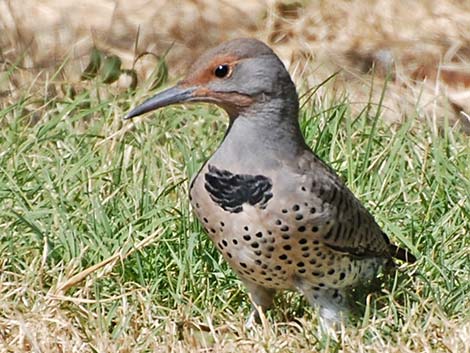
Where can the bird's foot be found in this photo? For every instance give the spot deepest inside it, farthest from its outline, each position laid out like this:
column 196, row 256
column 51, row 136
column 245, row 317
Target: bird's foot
column 252, row 320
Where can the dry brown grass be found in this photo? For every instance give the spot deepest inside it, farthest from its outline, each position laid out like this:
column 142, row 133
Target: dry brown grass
column 423, row 46
column 64, row 324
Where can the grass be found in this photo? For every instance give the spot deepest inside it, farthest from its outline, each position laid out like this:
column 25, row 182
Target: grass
column 84, row 193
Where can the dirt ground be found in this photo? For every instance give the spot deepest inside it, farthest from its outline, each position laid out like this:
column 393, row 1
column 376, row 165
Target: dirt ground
column 421, row 48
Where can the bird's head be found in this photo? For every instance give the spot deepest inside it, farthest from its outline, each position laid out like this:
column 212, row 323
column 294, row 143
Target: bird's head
column 234, row 75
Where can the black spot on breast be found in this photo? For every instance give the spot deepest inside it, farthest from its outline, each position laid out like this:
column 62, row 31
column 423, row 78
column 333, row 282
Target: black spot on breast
column 230, row 191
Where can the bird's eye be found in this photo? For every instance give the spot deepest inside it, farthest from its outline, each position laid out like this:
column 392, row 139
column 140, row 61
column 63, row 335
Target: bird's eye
column 222, row 71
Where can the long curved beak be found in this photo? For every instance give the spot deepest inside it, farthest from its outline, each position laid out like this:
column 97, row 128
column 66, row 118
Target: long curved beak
column 170, row 96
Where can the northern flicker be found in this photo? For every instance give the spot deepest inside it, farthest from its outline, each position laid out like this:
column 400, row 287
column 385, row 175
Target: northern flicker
column 278, row 214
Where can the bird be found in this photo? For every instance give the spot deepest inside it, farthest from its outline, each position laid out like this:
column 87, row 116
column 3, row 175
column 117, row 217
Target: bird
column 279, row 215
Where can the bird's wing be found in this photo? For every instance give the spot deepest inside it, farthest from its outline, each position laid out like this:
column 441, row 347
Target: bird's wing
column 351, row 228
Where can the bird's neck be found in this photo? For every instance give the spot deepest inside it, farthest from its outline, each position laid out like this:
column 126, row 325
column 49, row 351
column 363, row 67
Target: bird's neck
column 264, row 134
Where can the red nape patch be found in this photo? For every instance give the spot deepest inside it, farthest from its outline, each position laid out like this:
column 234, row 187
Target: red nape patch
column 205, row 73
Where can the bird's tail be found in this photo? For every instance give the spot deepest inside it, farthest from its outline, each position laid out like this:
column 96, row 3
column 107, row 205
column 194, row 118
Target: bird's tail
column 402, row 254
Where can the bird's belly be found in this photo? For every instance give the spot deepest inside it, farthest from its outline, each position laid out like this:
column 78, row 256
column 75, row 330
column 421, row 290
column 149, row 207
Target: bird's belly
column 276, row 248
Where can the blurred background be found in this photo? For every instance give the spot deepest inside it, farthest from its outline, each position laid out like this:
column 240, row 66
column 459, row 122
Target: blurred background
column 419, row 49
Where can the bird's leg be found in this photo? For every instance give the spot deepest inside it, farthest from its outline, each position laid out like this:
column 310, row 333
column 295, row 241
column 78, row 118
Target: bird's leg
column 261, row 298
column 333, row 305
